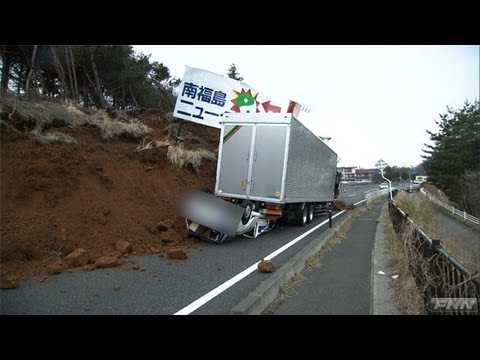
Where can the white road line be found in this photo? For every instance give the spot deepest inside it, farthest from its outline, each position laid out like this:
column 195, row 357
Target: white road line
column 359, row 202
column 352, row 195
column 221, row 288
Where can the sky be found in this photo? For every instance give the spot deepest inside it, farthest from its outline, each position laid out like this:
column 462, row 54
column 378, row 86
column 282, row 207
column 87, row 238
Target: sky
column 374, row 101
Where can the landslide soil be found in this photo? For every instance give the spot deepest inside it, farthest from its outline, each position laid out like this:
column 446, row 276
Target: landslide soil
column 61, row 197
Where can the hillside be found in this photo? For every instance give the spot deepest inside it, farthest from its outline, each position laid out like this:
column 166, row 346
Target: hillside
column 83, row 179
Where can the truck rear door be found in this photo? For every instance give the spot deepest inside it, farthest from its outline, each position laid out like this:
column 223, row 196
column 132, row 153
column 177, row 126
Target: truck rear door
column 232, row 170
column 268, row 168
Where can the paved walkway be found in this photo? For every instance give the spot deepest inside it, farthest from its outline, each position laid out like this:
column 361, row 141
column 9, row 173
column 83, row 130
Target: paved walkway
column 342, row 284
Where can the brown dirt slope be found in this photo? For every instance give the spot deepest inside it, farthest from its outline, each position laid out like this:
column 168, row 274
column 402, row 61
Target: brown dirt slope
column 60, row 197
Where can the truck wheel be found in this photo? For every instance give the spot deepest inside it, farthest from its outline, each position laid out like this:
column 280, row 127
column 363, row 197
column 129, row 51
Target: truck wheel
column 301, row 215
column 247, row 213
column 311, row 209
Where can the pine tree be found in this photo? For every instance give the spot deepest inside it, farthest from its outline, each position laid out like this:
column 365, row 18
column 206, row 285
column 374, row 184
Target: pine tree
column 454, row 157
column 233, row 73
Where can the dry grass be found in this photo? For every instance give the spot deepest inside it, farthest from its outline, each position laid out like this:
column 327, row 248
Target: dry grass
column 111, row 129
column 421, row 277
column 183, row 158
column 153, row 144
column 419, row 209
column 46, row 114
column 470, row 258
column 423, row 213
column 41, row 114
column 400, row 254
column 291, row 287
column 53, row 138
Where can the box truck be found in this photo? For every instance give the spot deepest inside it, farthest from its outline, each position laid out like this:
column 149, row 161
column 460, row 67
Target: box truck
column 270, row 169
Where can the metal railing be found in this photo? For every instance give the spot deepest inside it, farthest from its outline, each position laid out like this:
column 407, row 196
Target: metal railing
column 452, row 209
column 375, row 194
column 437, row 274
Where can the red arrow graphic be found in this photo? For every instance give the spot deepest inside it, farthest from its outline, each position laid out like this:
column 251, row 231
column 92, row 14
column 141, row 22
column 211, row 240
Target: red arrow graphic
column 272, row 108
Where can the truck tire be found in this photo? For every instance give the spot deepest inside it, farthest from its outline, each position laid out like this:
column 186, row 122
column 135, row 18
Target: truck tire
column 247, row 213
column 311, row 209
column 301, row 214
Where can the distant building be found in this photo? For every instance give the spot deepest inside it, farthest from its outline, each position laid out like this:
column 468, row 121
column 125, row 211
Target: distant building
column 348, row 173
column 356, row 174
column 364, row 174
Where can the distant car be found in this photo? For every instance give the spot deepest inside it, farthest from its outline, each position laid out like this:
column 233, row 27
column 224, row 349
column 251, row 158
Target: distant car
column 384, row 185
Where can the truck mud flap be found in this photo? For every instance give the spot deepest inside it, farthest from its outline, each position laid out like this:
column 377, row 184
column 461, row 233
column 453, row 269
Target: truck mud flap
column 212, row 212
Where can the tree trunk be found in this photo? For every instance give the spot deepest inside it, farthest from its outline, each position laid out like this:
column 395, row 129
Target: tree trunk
column 69, row 72
column 30, row 73
column 19, row 79
column 133, row 97
column 87, row 92
column 75, row 82
column 60, row 71
column 6, row 61
column 98, row 87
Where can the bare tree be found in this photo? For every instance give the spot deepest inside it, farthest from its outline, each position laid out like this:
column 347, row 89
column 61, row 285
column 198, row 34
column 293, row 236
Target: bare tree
column 60, row 71
column 30, row 73
column 98, row 87
column 75, row 82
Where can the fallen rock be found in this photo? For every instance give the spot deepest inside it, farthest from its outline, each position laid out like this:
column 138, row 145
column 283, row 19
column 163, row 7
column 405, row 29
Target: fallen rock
column 177, row 254
column 9, row 282
column 135, row 266
column 89, row 267
column 170, row 236
column 266, row 266
column 123, row 246
column 165, row 225
column 114, row 253
column 107, row 262
column 76, row 258
column 54, row 269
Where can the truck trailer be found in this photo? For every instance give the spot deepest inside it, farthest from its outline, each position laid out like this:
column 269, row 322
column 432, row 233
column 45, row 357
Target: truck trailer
column 270, row 169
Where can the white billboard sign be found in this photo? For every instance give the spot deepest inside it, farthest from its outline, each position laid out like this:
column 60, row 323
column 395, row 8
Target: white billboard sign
column 205, row 96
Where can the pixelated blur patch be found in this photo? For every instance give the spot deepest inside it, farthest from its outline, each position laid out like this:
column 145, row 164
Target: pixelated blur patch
column 213, row 212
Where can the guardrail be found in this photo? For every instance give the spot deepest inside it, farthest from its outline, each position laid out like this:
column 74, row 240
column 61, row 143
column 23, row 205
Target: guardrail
column 353, row 186
column 375, row 194
column 452, row 209
column 439, row 275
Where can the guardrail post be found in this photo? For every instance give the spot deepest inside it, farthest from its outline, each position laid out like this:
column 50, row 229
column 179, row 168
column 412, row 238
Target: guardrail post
column 453, row 209
column 464, row 215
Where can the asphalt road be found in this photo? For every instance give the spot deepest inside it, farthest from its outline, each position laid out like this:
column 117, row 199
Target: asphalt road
column 165, row 287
